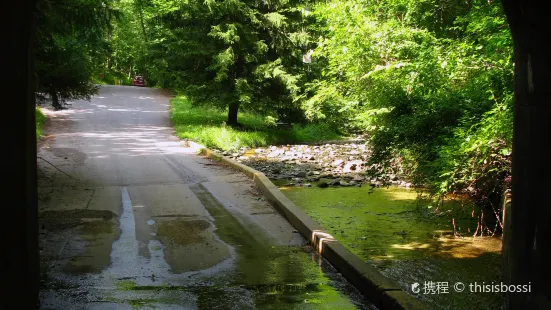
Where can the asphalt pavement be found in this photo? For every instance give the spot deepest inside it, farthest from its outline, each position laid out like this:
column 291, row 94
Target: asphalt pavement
column 132, row 219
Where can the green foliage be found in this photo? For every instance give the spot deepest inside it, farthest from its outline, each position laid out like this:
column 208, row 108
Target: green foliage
column 40, row 119
column 207, row 125
column 430, row 81
column 242, row 54
column 69, row 39
column 127, row 46
column 112, row 78
column 477, row 159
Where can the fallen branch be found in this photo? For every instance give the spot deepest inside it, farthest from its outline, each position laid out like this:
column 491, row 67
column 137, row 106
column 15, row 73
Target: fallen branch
column 497, row 216
column 495, row 229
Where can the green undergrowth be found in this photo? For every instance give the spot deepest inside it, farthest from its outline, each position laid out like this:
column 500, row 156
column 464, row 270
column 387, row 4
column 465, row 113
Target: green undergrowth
column 112, row 78
column 40, row 119
column 207, row 126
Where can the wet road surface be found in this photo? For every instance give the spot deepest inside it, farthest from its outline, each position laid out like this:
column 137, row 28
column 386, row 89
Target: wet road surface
column 132, row 219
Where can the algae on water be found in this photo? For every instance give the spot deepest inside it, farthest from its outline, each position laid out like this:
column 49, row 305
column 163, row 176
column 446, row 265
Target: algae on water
column 407, row 241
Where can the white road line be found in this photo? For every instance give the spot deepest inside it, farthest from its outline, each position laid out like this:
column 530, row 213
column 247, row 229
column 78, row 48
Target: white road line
column 124, row 254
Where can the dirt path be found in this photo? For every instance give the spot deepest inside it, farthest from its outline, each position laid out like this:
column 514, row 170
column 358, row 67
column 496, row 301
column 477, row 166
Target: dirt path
column 131, row 219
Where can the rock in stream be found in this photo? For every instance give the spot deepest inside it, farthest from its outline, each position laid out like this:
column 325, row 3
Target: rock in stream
column 327, row 165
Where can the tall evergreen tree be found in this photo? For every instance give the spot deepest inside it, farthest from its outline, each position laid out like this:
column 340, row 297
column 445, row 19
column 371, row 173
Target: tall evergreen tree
column 232, row 53
column 70, row 37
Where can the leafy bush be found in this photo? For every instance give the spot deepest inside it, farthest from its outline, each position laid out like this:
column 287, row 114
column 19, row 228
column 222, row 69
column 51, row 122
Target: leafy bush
column 429, row 82
column 112, row 78
column 477, row 160
column 433, row 91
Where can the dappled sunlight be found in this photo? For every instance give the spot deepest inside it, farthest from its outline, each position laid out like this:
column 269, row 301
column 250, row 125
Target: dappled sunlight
column 123, row 110
column 285, row 188
column 152, row 128
column 144, row 143
column 132, row 133
column 470, row 247
column 426, row 85
column 381, row 257
column 140, row 130
column 100, row 156
column 83, row 111
column 448, row 246
column 53, row 113
column 411, row 246
column 135, row 110
column 397, row 234
column 129, row 141
column 404, row 195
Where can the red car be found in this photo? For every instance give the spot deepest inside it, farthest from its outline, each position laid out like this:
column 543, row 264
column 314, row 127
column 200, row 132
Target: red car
column 138, row 81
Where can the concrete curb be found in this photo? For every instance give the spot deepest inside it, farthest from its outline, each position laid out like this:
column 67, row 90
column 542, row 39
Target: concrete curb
column 381, row 291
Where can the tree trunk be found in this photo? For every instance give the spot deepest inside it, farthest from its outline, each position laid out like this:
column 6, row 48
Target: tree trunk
column 109, row 36
column 528, row 247
column 55, row 101
column 232, row 113
column 238, row 73
column 142, row 23
column 146, row 40
column 19, row 260
column 506, row 234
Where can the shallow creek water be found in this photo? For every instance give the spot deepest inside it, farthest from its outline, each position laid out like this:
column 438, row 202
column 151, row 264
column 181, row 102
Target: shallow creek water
column 405, row 239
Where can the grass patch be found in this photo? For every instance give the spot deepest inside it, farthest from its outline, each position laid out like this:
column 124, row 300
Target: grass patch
column 206, row 125
column 40, row 119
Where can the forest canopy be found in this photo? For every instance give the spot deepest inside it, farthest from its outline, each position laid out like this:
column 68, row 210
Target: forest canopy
column 430, row 83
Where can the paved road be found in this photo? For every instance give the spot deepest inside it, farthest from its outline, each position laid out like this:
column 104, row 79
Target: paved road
column 129, row 218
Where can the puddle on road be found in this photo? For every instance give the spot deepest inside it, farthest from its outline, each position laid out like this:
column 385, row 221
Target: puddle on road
column 93, row 235
column 260, row 276
column 276, row 277
column 183, row 232
column 295, row 282
column 180, row 237
column 392, row 230
column 96, row 237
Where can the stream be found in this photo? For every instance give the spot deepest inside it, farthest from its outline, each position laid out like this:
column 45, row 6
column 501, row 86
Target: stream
column 393, row 231
column 409, row 239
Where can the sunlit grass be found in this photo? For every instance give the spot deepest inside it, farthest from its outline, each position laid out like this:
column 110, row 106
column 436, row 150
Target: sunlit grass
column 207, row 126
column 40, row 119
